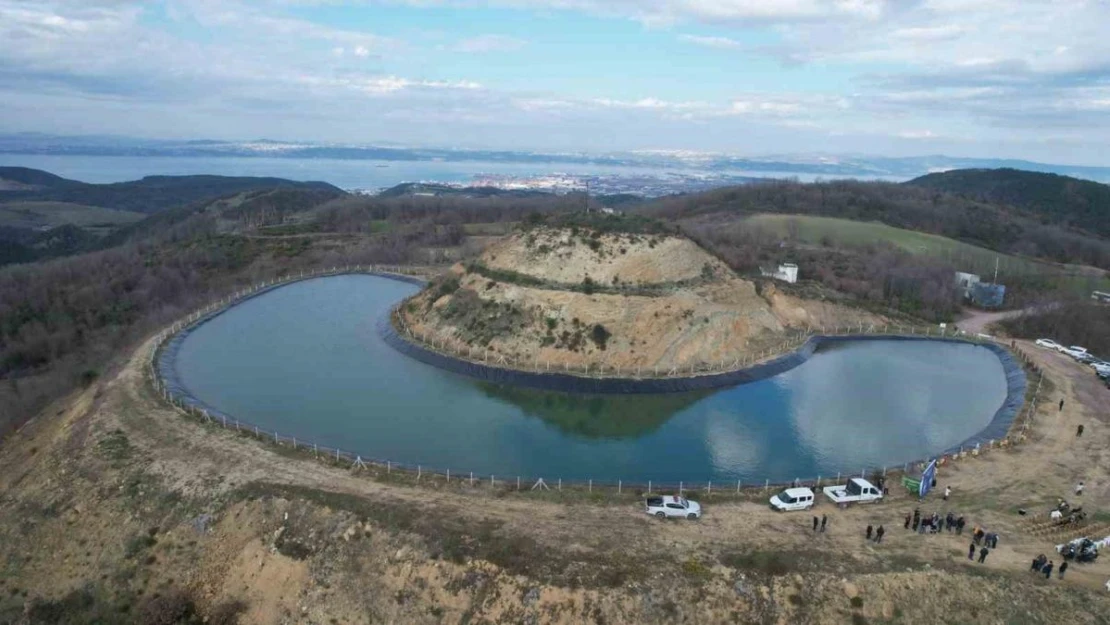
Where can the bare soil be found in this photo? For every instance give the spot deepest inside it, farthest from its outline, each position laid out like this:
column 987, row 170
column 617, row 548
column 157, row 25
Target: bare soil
column 697, row 313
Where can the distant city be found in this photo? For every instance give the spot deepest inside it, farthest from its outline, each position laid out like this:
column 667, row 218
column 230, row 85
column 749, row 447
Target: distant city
column 371, row 168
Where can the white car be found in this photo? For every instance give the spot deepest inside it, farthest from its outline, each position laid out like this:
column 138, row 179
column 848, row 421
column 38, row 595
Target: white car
column 668, row 506
column 857, row 490
column 1050, row 344
column 793, row 499
column 1075, row 351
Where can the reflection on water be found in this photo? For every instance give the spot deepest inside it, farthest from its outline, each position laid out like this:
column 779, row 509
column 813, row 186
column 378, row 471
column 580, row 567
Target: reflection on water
column 595, row 416
column 306, row 360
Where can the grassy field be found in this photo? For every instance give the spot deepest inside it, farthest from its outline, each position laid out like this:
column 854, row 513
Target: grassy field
column 51, row 214
column 843, row 232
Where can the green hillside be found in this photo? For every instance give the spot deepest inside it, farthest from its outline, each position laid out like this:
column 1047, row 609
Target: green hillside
column 148, row 195
column 843, row 232
column 1055, row 199
column 41, row 215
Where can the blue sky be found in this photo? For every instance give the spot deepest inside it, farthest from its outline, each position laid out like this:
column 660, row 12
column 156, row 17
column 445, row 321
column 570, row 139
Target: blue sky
column 1027, row 79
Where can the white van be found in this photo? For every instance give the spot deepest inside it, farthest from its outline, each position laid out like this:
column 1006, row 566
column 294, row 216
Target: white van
column 793, row 499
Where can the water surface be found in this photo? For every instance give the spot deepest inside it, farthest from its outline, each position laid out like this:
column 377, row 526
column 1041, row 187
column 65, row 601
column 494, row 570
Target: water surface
column 306, row 360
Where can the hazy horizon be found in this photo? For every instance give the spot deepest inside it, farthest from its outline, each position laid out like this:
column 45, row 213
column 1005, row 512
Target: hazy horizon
column 981, row 79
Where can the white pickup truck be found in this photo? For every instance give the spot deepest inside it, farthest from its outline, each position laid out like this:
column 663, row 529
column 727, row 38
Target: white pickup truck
column 857, row 490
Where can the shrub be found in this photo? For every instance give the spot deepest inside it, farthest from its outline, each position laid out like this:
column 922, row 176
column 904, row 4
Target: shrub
column 600, row 336
column 88, row 376
column 588, row 285
column 172, row 608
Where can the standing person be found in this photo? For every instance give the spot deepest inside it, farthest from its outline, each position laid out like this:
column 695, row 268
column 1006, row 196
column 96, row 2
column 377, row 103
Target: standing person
column 1036, row 566
column 949, row 521
column 1063, row 567
column 1079, row 489
column 947, row 492
column 1061, row 405
column 1079, row 430
column 960, row 522
column 824, row 522
column 868, row 532
column 971, row 551
column 983, row 555
column 908, row 518
column 994, row 541
column 815, row 522
column 916, row 518
column 1047, row 570
column 879, row 538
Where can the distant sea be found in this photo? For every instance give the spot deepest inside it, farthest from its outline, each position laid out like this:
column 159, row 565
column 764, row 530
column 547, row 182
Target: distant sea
column 346, row 174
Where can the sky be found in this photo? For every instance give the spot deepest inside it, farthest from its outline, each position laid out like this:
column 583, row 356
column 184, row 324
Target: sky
column 986, row 78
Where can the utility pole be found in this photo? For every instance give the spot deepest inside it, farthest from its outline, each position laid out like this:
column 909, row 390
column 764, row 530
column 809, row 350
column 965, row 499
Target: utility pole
column 995, row 270
column 587, row 195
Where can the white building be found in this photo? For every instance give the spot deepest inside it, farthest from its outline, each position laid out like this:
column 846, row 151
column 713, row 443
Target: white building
column 966, row 282
column 787, row 272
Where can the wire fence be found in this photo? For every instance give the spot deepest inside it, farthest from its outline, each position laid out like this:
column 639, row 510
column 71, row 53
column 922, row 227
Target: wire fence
column 421, row 474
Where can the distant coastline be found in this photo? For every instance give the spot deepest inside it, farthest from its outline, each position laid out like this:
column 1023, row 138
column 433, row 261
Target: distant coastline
column 802, row 166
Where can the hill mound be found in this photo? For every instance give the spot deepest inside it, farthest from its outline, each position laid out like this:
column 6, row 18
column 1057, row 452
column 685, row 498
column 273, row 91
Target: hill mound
column 571, row 256
column 1056, row 199
column 149, row 195
column 575, row 296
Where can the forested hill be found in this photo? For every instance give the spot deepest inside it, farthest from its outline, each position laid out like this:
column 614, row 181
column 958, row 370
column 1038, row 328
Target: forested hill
column 1055, row 199
column 148, row 195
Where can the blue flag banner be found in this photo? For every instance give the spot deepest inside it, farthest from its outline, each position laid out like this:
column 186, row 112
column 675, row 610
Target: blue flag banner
column 927, row 479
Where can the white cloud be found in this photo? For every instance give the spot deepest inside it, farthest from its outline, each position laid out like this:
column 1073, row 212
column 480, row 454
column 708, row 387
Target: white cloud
column 722, row 43
column 1033, row 71
column 489, row 43
column 929, row 33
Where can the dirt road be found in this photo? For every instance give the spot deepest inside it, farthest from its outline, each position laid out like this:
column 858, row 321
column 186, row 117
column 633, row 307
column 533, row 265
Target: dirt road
column 978, row 321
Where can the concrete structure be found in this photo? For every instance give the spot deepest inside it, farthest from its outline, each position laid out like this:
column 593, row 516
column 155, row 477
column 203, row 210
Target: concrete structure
column 966, row 282
column 787, row 272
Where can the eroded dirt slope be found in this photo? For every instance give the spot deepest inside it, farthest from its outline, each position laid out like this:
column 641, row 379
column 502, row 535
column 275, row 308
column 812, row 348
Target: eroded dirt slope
column 651, row 302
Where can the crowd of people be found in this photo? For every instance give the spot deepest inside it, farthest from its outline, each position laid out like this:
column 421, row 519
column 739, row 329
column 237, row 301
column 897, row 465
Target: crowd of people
column 1041, row 564
column 935, row 524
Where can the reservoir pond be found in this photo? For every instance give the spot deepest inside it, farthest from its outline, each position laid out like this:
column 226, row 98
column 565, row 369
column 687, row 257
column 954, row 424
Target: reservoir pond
column 306, row 360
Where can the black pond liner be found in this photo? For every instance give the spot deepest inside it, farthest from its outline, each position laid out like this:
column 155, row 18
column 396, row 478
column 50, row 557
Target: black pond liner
column 997, row 429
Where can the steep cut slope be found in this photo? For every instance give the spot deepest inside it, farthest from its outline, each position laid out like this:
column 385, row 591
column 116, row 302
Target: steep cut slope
column 1053, row 198
column 576, row 297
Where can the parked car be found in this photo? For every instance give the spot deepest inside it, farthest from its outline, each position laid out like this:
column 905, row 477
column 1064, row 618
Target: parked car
column 668, row 506
column 857, row 490
column 1075, row 352
column 1050, row 344
column 793, row 499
